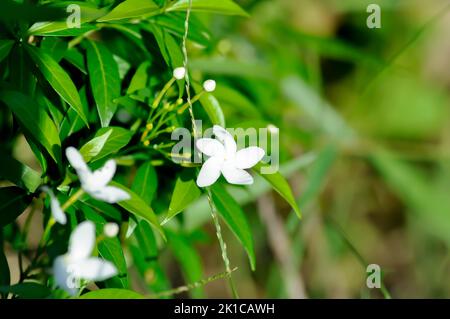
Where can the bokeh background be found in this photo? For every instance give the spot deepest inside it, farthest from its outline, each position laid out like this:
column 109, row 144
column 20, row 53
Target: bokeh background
column 364, row 141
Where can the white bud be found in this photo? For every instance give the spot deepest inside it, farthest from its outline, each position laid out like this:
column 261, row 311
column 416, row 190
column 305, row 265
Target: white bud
column 179, row 73
column 209, row 85
column 111, row 230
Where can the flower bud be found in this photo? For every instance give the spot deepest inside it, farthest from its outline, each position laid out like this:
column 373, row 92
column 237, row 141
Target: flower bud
column 209, row 85
column 179, row 73
column 111, row 229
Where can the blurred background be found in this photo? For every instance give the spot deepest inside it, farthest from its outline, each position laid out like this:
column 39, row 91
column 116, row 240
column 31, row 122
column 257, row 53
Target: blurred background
column 364, row 141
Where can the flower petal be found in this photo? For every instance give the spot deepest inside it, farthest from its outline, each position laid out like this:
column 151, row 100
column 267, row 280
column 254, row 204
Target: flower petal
column 76, row 160
column 235, row 175
column 210, row 147
column 57, row 212
column 64, row 279
column 101, row 177
column 82, row 241
column 210, row 172
column 110, row 194
column 94, row 269
column 227, row 139
column 248, row 157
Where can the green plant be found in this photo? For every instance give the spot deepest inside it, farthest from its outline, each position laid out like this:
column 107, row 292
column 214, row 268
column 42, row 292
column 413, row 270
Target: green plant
column 108, row 89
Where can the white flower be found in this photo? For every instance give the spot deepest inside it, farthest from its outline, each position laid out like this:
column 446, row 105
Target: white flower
column 224, row 158
column 55, row 207
column 95, row 183
column 111, row 229
column 77, row 264
column 179, row 73
column 209, row 85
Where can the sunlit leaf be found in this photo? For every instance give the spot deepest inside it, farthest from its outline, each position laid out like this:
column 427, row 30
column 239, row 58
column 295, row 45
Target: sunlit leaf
column 185, row 192
column 214, row 6
column 106, row 141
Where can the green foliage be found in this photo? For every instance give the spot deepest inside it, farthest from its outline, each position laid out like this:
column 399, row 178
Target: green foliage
column 362, row 144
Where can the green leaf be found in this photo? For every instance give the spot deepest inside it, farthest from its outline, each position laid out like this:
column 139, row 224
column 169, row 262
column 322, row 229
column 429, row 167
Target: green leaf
column 235, row 218
column 27, row 290
column 72, row 122
column 228, row 96
column 104, row 79
column 5, row 48
column 168, row 46
column 188, row 259
column 130, row 9
column 18, row 173
column 109, row 248
column 211, row 106
column 58, row 79
column 146, row 182
column 112, row 293
column 140, row 78
column 280, row 185
column 139, row 208
column 318, row 173
column 13, row 202
column 89, row 12
column 185, row 192
column 174, row 23
column 227, row 7
column 34, row 121
column 106, row 141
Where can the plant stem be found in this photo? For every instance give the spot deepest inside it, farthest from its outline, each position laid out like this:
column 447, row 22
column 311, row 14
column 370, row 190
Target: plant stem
column 191, row 286
column 72, row 199
column 162, row 93
column 223, row 245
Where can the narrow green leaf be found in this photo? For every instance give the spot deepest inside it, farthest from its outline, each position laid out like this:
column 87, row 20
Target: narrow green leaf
column 281, row 186
column 185, row 192
column 89, row 12
column 5, row 48
column 111, row 293
column 318, row 174
column 130, row 9
column 13, row 202
column 104, row 80
column 139, row 208
column 34, row 121
column 227, row 7
column 146, row 182
column 212, row 107
column 235, row 218
column 109, row 248
column 106, row 141
column 188, row 259
column 58, row 79
column 140, row 79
